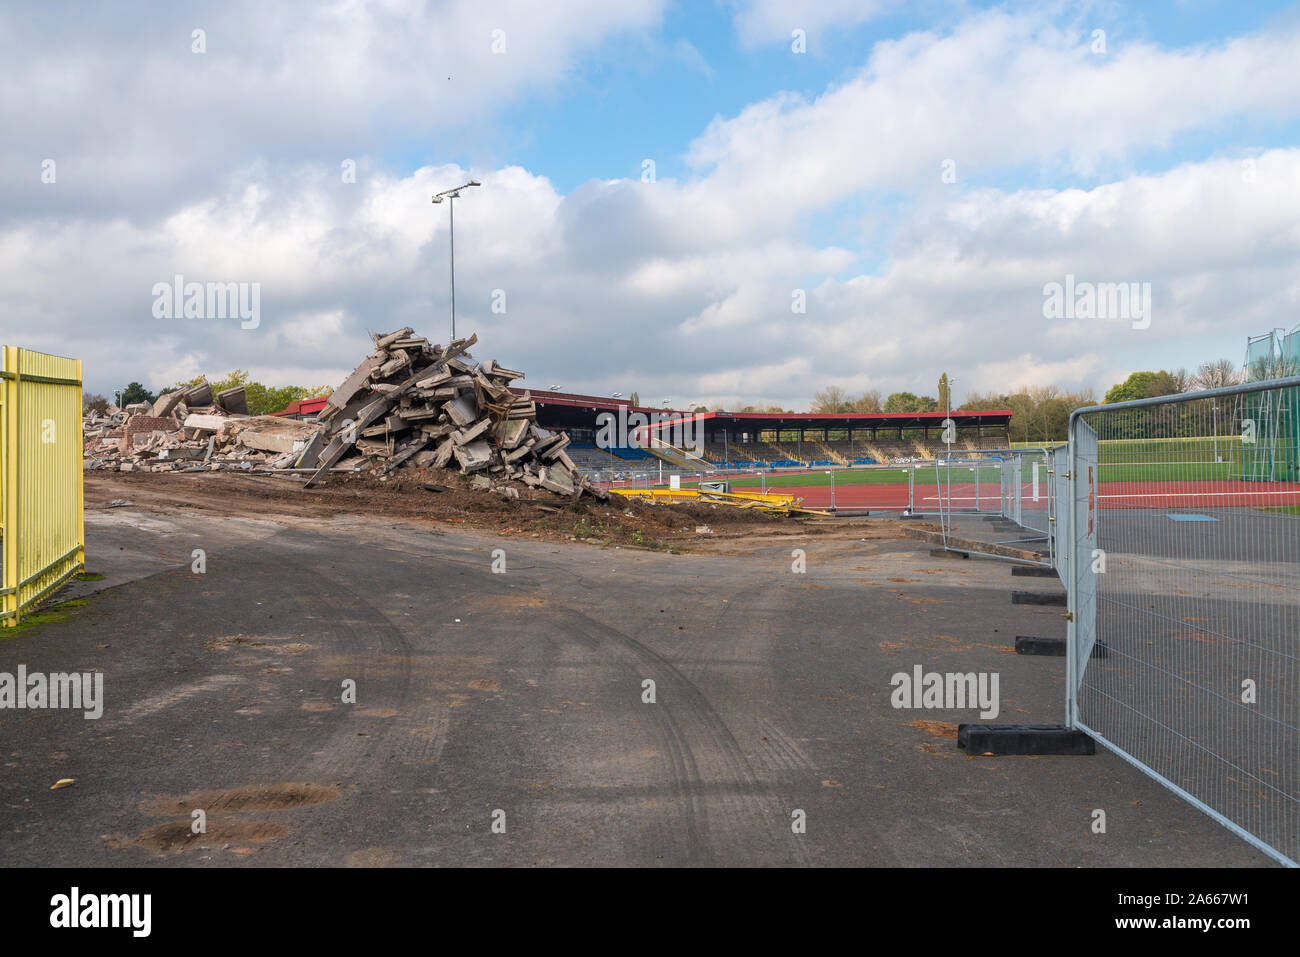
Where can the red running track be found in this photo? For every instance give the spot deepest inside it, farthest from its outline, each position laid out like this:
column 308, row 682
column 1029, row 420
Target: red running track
column 1206, row 494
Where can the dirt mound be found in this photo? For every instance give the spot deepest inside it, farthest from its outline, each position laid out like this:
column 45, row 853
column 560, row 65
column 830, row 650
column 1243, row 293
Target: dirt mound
column 445, row 498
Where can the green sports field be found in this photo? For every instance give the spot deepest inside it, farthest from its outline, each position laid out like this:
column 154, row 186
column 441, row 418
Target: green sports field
column 1180, row 470
column 883, row 476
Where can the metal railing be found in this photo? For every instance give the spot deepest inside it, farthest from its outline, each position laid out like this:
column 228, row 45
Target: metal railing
column 40, row 477
column 1016, row 485
column 1183, row 573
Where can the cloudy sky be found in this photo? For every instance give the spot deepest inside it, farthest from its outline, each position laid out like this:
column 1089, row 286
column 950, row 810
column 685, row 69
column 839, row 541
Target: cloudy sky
column 664, row 185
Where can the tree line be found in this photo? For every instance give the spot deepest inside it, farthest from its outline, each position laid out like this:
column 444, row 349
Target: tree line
column 1038, row 413
column 262, row 399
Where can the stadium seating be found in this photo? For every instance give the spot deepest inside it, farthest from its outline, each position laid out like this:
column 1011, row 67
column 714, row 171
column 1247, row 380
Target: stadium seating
column 719, row 453
column 752, row 453
column 586, row 455
column 844, row 451
column 782, row 452
column 628, row 453
column 894, row 450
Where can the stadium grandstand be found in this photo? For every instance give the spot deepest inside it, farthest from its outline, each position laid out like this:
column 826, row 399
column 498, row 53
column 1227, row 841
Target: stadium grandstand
column 747, row 440
column 742, row 440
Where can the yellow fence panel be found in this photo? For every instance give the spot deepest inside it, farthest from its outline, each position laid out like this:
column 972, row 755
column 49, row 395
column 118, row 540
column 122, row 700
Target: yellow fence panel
column 41, row 510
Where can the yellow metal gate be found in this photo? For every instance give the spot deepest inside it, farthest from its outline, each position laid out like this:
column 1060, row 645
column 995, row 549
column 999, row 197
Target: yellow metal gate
column 40, row 477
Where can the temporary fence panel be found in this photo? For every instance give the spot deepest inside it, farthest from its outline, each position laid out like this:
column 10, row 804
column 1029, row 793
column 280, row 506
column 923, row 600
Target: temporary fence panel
column 1012, row 478
column 40, row 477
column 1184, row 572
column 1084, row 557
column 1061, row 507
column 993, row 483
column 1008, row 488
column 1035, row 493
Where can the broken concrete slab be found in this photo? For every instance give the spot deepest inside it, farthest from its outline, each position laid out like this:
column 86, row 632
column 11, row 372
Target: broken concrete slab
column 204, row 423
column 198, row 396
column 474, row 456
column 166, row 403
column 233, row 400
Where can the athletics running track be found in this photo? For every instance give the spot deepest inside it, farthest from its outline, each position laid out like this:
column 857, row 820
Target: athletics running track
column 1167, row 495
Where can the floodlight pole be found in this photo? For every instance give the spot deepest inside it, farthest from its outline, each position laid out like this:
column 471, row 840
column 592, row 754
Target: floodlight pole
column 451, row 236
column 450, row 195
column 948, row 457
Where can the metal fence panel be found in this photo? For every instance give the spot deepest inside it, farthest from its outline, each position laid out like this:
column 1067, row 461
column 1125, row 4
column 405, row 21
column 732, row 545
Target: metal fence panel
column 1084, row 555
column 1061, row 509
column 1017, row 490
column 1035, row 492
column 1185, row 632
column 977, row 485
column 40, row 477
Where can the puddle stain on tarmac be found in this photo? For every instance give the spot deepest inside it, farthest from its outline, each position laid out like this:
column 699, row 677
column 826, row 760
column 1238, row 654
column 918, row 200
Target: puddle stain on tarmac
column 225, row 819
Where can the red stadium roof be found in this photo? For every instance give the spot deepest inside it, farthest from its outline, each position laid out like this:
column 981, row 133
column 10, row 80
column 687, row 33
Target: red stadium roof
column 597, row 403
column 862, row 416
column 579, row 403
column 577, row 399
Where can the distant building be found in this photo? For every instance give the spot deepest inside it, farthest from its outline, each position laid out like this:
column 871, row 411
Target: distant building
column 303, row 408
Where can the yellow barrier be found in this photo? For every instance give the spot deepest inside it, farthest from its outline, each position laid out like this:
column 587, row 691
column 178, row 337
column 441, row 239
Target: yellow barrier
column 761, row 500
column 41, row 516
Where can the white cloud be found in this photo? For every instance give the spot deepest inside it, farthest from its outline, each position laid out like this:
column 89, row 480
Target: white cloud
column 134, row 118
column 683, row 288
column 961, row 290
column 1000, row 90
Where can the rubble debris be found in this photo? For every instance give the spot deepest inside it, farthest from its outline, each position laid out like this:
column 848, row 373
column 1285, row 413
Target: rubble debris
column 410, row 403
column 233, row 400
column 204, row 423
column 199, row 395
column 166, row 403
column 416, row 404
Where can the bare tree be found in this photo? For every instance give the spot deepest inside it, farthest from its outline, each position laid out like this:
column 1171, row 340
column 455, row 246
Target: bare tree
column 830, row 400
column 1216, row 374
column 869, row 401
column 983, row 401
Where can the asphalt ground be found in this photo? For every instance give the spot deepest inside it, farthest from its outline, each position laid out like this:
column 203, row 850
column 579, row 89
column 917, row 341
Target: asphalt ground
column 517, row 698
column 1192, row 604
column 1200, row 612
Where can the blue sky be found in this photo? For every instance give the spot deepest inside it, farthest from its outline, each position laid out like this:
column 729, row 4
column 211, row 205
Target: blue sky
column 643, row 98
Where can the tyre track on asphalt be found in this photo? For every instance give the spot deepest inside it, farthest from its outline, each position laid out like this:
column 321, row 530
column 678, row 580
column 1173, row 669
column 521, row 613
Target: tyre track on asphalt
column 680, row 736
column 773, row 754
column 724, row 803
column 383, row 676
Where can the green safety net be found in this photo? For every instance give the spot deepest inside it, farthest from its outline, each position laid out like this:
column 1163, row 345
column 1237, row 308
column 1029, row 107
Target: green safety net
column 1271, row 419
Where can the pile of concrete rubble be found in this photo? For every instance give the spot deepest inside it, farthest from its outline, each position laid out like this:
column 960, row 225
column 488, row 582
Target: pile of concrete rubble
column 189, row 429
column 409, row 404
